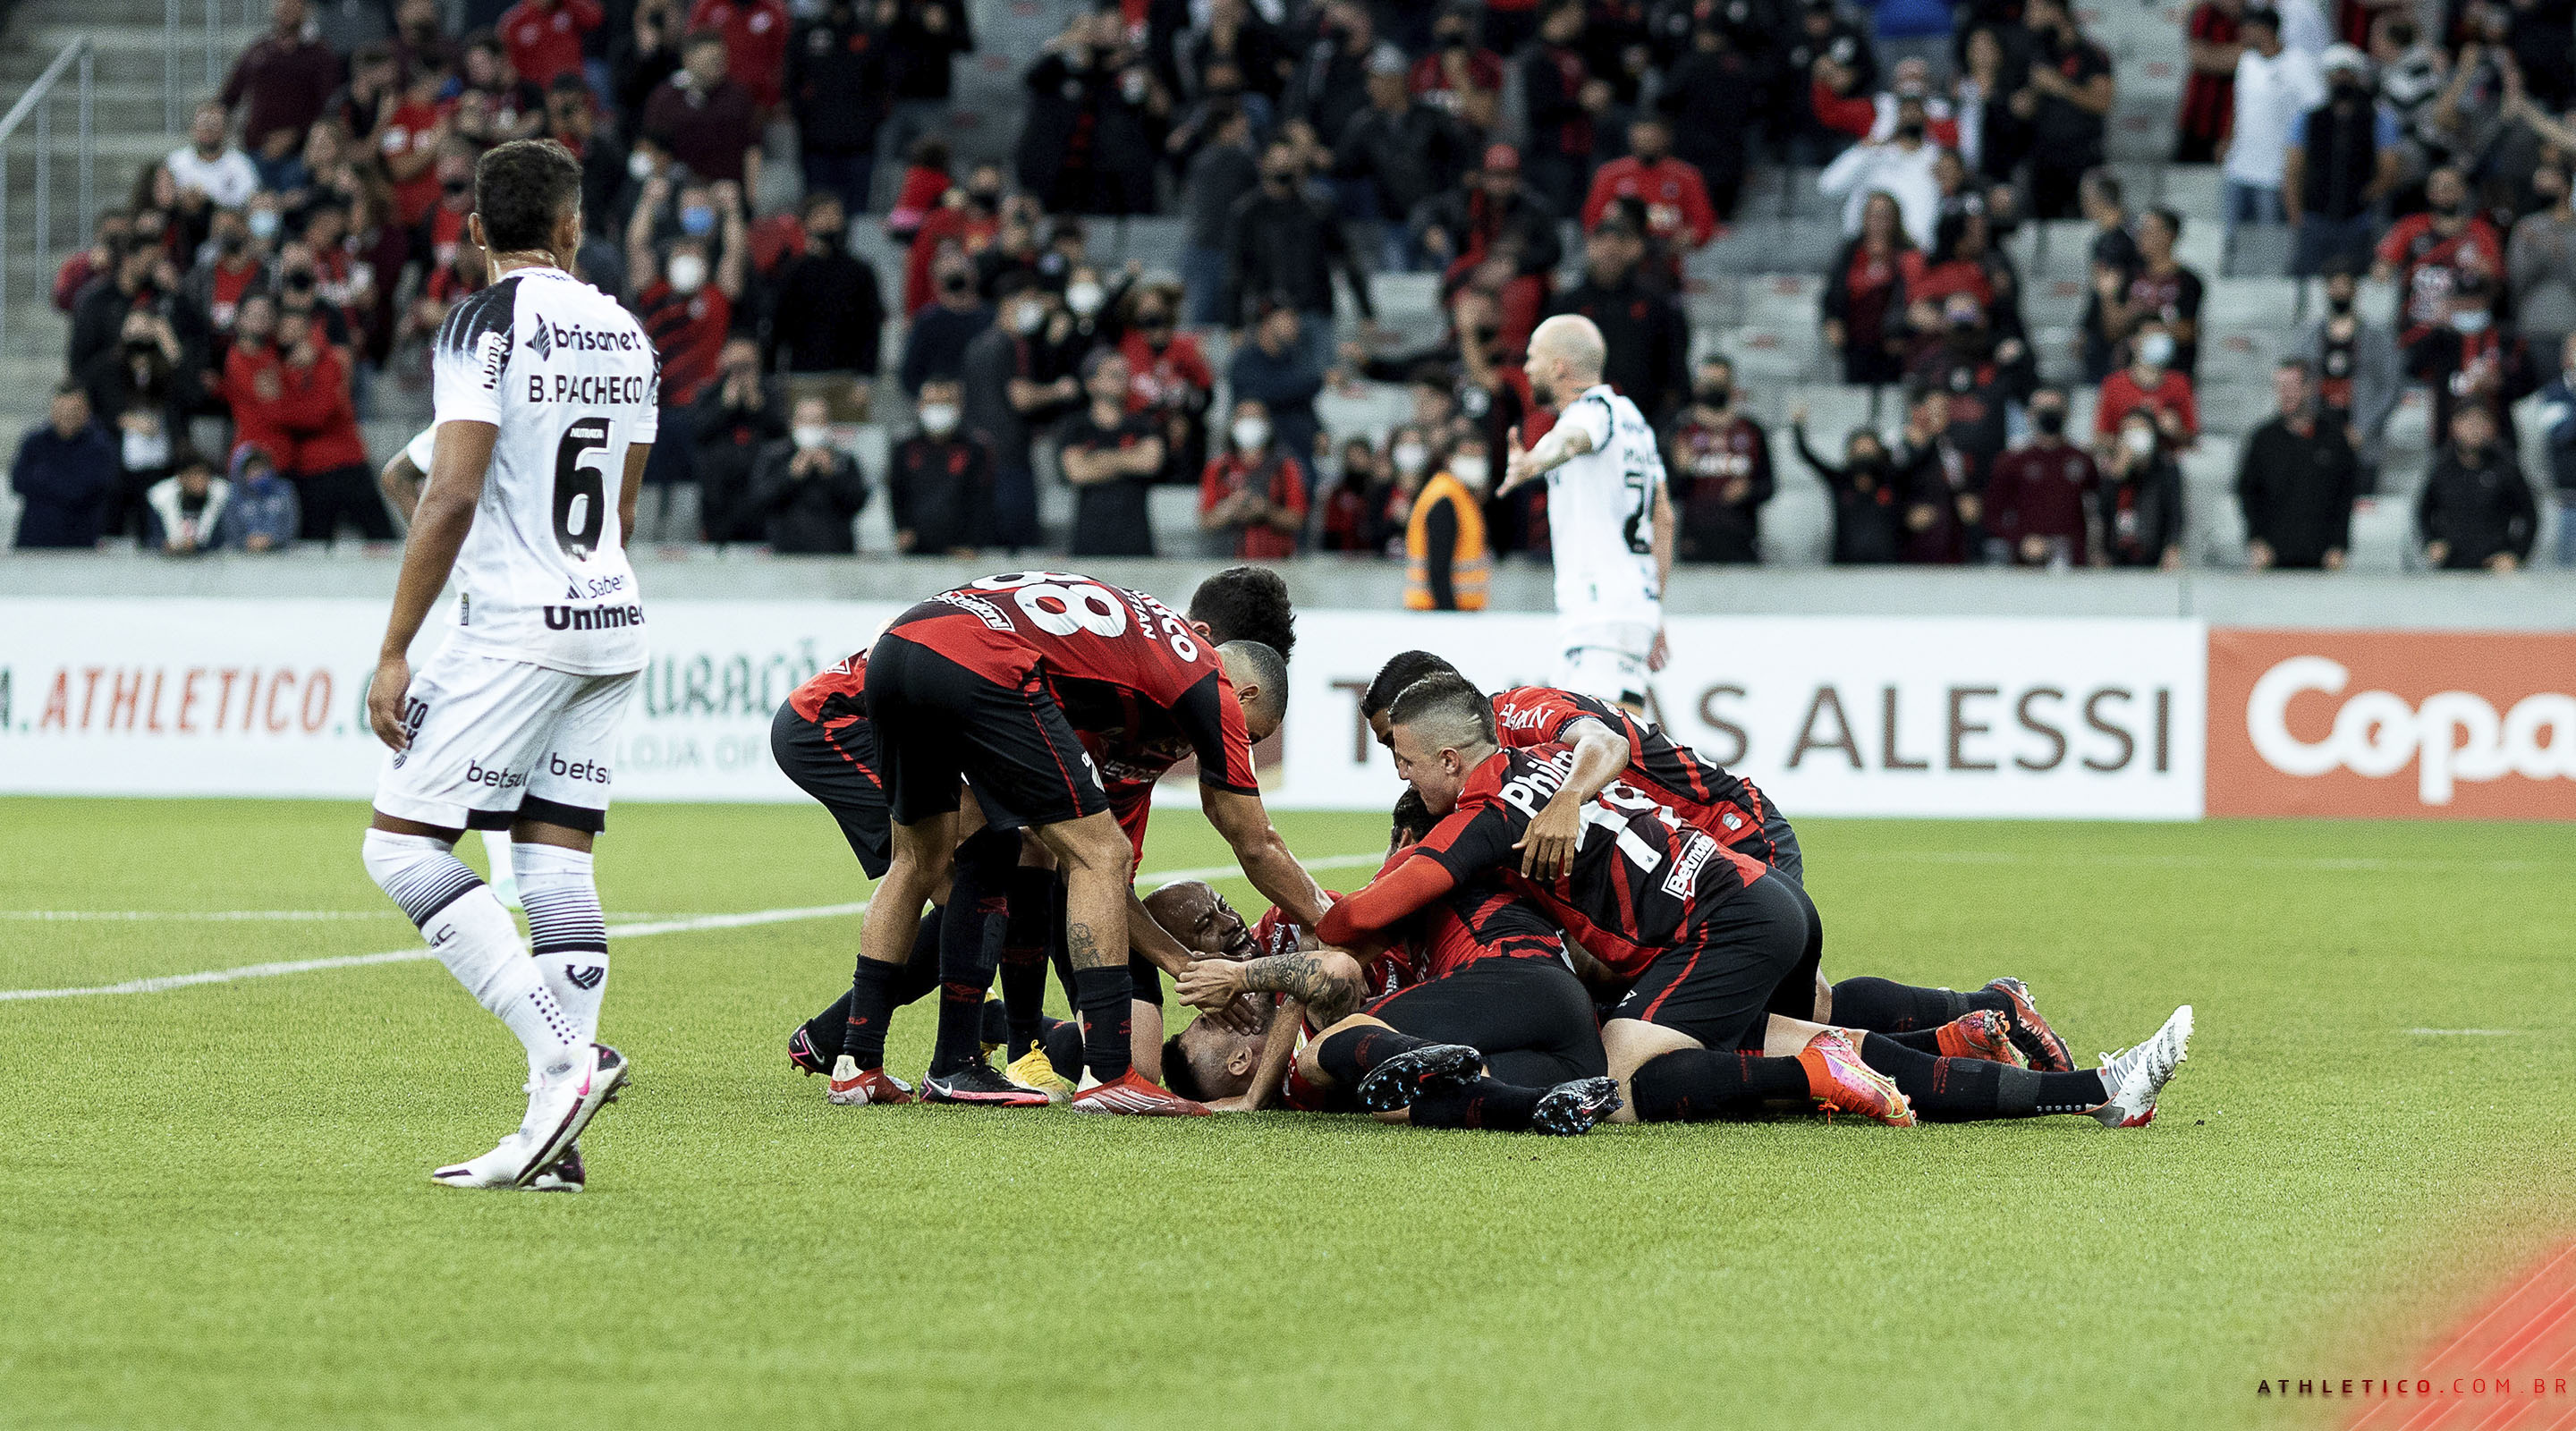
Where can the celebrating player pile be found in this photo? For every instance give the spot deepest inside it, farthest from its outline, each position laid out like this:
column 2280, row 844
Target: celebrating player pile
column 544, row 388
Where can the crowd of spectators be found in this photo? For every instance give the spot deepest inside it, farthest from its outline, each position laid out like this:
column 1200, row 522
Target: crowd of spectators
column 278, row 276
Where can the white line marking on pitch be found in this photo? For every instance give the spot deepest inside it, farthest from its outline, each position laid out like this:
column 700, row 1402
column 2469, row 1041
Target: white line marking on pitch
column 2466, row 1033
column 217, row 916
column 744, row 920
column 2189, row 862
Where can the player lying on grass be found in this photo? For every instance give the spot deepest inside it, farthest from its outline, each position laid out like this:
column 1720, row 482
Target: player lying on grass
column 1710, row 937
column 511, row 723
column 1610, row 745
column 991, row 684
column 1003, row 906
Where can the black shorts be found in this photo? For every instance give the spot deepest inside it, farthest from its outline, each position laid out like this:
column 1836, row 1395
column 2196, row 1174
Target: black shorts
column 938, row 722
column 1719, row 984
column 1529, row 1017
column 839, row 767
column 1785, row 855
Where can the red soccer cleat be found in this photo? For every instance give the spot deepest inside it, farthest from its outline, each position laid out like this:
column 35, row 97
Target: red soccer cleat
column 1133, row 1094
column 1984, row 1034
column 1841, row 1083
column 853, row 1085
column 2048, row 1053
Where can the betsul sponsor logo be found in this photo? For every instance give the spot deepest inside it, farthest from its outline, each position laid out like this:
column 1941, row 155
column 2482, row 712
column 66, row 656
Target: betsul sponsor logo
column 2425, row 724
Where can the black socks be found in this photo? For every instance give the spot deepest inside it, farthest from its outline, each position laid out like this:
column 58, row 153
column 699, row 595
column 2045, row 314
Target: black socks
column 1885, row 1006
column 1102, row 999
column 1695, row 1084
column 1952, row 1090
column 1033, row 924
column 1348, row 1056
column 1484, row 1103
column 970, row 945
column 871, row 1009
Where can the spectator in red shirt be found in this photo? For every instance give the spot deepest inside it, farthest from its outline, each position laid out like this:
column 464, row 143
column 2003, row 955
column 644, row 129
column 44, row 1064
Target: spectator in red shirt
column 1169, row 380
column 91, row 262
column 755, row 34
column 408, row 135
column 2427, row 254
column 686, row 293
column 2040, row 502
column 328, row 460
column 2148, row 383
column 1675, row 198
column 2209, row 96
column 704, row 119
column 1254, row 491
column 281, row 84
column 545, row 36
column 1457, row 75
column 251, row 386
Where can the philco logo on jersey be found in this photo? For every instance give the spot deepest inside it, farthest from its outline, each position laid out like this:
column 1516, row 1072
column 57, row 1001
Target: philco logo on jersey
column 1526, row 791
column 592, row 618
column 544, row 337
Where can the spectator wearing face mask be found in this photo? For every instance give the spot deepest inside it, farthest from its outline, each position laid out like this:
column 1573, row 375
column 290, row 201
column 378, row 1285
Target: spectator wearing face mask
column 2275, row 87
column 2040, row 502
column 687, row 304
column 1447, row 563
column 66, row 474
column 1221, row 174
column 1282, row 244
column 807, row 491
column 1983, row 379
column 836, row 79
column 1943, row 494
column 2296, row 481
column 1869, row 512
column 185, row 510
column 2540, row 260
column 1171, row 378
column 263, row 514
column 828, row 315
column 940, row 479
column 1645, row 332
column 2344, row 158
column 2475, row 510
column 1276, row 370
column 2472, row 358
column 2159, row 290
column 1675, row 199
column 1111, row 458
column 1253, row 494
column 2143, row 526
column 2149, row 383
column 1019, row 377
column 936, row 346
column 1900, row 166
column 705, row 119
column 2356, row 369
column 2427, row 254
column 1722, row 460
column 738, row 417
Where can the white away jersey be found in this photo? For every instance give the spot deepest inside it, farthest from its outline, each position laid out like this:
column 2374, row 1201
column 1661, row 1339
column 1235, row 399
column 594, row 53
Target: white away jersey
column 1601, row 515
column 571, row 381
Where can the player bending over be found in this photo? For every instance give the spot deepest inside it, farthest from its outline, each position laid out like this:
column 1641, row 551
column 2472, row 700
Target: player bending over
column 1003, row 906
column 1609, row 517
column 1611, row 745
column 545, row 392
column 1710, row 936
column 993, row 683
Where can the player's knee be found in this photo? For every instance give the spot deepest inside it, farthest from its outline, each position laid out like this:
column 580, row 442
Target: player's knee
column 1097, row 849
column 1824, row 999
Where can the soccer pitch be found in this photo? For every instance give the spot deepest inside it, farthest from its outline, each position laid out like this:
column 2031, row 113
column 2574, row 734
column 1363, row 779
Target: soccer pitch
column 215, row 1211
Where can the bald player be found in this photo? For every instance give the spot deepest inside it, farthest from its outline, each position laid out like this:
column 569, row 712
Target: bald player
column 1609, row 517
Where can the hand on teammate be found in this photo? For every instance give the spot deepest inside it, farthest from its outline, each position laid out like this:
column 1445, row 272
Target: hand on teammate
column 1547, row 848
column 1210, row 984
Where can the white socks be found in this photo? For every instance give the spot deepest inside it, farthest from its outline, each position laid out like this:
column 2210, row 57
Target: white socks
column 474, row 937
column 571, row 936
column 496, row 854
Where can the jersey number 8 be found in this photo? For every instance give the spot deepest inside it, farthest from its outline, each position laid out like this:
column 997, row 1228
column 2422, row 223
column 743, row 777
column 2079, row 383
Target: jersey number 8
column 581, row 489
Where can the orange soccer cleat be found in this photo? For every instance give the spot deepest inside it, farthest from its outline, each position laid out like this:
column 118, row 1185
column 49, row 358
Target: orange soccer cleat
column 1984, row 1034
column 1136, row 1095
column 853, row 1085
column 1841, row 1083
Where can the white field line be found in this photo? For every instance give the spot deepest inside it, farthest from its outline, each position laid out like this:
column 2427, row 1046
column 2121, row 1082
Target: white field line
column 208, row 916
column 2359, row 863
column 2466, row 1033
column 744, row 920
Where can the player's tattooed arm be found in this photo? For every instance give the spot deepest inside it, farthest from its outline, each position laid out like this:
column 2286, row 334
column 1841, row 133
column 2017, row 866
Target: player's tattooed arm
column 1326, row 981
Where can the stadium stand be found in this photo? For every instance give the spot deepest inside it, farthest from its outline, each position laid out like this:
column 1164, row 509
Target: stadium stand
column 1092, row 173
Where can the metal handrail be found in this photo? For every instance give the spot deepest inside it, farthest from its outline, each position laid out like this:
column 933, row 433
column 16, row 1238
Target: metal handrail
column 38, row 101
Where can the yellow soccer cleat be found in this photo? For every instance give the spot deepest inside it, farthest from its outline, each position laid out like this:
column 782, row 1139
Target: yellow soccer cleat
column 1031, row 1070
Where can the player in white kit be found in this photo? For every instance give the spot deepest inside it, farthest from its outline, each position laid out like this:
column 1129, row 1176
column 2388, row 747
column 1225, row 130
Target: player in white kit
column 545, row 393
column 1609, row 517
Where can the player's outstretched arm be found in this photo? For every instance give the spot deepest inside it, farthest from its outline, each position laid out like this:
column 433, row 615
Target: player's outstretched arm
column 1563, row 443
column 1326, row 981
column 438, row 528
column 1600, row 753
column 1264, row 856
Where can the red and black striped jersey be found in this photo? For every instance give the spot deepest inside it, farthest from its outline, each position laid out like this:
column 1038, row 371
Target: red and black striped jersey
column 1640, row 874
column 1128, row 671
column 835, row 696
column 1398, row 966
column 1725, row 805
column 1484, row 921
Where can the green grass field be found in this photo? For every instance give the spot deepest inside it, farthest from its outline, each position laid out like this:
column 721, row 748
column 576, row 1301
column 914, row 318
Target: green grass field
column 214, row 1209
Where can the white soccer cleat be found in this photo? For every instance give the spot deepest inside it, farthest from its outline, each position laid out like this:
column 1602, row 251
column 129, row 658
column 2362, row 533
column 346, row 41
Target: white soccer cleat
column 2136, row 1075
column 564, row 1105
column 563, row 1175
column 499, row 1168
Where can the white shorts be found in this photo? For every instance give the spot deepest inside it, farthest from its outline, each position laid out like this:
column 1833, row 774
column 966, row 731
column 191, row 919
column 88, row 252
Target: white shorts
column 1607, row 662
column 493, row 740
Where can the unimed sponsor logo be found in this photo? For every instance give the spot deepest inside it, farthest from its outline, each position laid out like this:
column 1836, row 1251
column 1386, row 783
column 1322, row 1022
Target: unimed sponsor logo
column 2377, row 723
column 592, row 618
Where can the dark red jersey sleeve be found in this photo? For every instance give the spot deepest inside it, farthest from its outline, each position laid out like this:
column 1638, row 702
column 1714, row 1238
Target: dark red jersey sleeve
column 1211, row 720
column 1470, row 840
column 1535, row 715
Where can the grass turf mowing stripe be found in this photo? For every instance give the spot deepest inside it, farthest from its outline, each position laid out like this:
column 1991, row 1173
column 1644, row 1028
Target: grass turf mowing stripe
column 692, row 924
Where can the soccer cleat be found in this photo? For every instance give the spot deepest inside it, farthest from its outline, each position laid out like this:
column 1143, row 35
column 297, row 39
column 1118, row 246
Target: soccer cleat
column 978, row 1085
column 1134, row 1094
column 1408, row 1075
column 1841, row 1083
column 802, row 1055
column 1572, row 1108
column 1982, row 1034
column 853, row 1085
column 1033, row 1070
column 2031, row 1034
column 2136, row 1075
column 498, row 1168
column 563, row 1175
column 565, row 1104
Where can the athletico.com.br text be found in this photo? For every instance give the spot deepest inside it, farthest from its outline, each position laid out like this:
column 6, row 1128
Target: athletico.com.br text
column 2413, row 1388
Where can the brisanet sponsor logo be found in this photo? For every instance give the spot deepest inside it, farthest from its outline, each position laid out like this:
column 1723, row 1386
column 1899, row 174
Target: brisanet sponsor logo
column 2381, row 723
